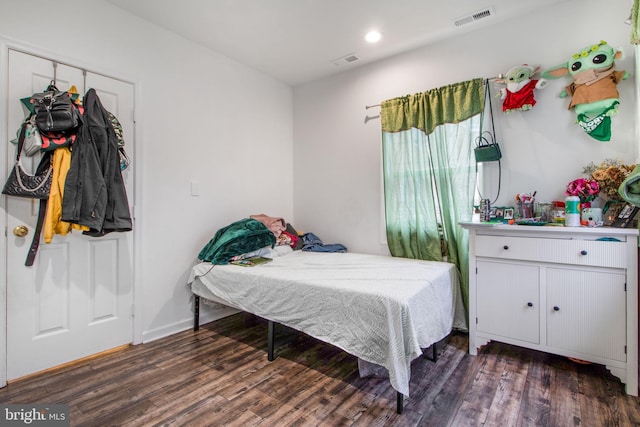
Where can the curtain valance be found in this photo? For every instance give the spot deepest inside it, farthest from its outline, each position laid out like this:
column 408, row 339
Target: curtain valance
column 448, row 104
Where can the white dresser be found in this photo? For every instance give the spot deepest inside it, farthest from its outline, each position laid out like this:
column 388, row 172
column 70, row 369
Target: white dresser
column 570, row 291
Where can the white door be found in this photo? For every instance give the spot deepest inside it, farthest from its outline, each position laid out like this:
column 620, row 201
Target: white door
column 77, row 298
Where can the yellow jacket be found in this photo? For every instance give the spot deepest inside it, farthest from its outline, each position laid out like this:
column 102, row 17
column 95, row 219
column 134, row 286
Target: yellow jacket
column 53, row 223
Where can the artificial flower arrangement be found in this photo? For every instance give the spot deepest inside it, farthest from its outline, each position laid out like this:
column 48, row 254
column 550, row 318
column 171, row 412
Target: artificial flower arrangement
column 609, row 175
column 586, row 189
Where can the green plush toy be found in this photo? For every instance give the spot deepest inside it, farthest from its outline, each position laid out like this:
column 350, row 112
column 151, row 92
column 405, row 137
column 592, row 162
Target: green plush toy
column 594, row 93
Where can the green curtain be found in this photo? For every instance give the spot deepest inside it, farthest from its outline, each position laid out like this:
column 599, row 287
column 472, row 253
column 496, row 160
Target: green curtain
column 429, row 172
column 635, row 25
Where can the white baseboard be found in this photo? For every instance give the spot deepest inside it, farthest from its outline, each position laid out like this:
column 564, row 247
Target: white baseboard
column 207, row 314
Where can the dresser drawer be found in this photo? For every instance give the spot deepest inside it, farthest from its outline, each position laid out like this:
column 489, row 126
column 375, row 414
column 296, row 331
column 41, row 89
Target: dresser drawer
column 563, row 251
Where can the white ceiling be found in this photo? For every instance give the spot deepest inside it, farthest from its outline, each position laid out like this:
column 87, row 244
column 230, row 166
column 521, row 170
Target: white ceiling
column 297, row 41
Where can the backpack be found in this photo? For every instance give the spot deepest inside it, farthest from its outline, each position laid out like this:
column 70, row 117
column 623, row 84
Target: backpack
column 55, row 111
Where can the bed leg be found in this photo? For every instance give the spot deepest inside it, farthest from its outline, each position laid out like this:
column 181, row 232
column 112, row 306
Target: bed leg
column 196, row 312
column 399, row 402
column 270, row 338
column 434, row 352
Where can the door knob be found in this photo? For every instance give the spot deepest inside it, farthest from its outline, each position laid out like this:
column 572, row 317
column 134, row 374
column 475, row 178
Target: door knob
column 21, row 230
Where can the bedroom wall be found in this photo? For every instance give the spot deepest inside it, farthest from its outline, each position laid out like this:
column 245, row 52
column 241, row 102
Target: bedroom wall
column 189, row 128
column 337, row 152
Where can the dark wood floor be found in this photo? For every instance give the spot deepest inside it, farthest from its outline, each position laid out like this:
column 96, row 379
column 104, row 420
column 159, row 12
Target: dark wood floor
column 220, row 376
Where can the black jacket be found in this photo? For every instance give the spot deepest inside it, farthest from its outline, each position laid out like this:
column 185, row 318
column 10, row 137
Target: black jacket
column 94, row 191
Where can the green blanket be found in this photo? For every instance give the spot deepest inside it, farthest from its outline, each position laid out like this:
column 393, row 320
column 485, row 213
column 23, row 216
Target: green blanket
column 235, row 239
column 630, row 187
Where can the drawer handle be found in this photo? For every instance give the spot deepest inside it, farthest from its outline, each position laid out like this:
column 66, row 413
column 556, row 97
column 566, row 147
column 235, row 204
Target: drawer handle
column 529, row 304
column 583, row 252
column 505, row 247
column 556, row 308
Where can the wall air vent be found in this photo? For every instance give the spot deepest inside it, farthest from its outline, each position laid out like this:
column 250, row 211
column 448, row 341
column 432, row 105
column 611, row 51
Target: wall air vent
column 468, row 19
column 344, row 60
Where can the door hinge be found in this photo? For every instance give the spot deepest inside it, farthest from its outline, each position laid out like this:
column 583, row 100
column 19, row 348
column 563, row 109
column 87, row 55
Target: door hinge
column 625, row 287
column 625, row 349
column 476, row 320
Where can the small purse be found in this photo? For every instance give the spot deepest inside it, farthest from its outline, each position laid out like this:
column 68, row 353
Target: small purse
column 117, row 129
column 55, row 111
column 487, row 150
column 20, row 184
column 32, row 140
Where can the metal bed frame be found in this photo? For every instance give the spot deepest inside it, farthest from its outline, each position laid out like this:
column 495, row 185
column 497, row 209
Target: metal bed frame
column 271, row 353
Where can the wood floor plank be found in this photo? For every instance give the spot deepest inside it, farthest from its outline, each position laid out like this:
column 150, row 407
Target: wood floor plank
column 565, row 406
column 535, row 403
column 424, row 385
column 480, row 394
column 220, row 376
column 448, row 399
column 505, row 407
column 613, row 406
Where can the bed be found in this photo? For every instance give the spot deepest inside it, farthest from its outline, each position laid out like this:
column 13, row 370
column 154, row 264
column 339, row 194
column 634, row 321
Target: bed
column 381, row 309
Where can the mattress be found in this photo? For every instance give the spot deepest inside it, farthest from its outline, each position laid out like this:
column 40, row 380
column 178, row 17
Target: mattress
column 381, row 309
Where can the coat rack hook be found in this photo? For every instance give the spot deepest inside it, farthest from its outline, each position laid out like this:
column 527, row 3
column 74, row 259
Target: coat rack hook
column 55, row 72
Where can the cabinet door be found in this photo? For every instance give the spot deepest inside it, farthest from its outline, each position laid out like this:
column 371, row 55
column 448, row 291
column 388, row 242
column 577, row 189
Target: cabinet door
column 586, row 312
column 507, row 300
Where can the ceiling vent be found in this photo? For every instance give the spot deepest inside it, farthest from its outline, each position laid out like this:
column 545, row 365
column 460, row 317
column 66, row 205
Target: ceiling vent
column 344, row 60
column 476, row 16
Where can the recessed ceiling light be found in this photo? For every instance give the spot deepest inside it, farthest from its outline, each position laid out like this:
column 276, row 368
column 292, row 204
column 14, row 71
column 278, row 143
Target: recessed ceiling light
column 373, row 36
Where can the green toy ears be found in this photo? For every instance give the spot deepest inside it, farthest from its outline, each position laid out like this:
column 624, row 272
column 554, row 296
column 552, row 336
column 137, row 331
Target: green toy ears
column 591, row 57
column 556, row 72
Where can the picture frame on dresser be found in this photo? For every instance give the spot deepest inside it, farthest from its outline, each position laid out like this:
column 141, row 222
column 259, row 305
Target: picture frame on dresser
column 625, row 216
column 509, row 213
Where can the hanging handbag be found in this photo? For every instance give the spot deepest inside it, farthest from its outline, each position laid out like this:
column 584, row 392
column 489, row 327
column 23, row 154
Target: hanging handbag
column 117, row 128
column 55, row 111
column 487, row 149
column 32, row 140
column 21, row 184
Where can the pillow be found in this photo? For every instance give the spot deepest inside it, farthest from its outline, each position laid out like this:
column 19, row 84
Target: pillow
column 266, row 252
column 280, row 251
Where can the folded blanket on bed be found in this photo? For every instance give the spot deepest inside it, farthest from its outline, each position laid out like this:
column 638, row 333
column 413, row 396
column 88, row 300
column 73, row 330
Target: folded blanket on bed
column 313, row 243
column 630, row 187
column 235, row 239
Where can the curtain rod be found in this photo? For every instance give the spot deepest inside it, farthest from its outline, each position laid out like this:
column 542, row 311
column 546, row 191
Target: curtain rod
column 499, row 76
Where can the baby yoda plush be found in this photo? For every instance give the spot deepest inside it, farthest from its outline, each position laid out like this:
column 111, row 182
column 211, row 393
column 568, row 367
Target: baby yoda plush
column 518, row 95
column 593, row 91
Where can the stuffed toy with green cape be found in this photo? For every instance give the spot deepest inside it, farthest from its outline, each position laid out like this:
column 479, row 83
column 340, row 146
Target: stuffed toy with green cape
column 594, row 93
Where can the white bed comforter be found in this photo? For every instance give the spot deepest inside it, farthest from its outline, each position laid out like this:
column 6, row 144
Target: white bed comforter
column 381, row 309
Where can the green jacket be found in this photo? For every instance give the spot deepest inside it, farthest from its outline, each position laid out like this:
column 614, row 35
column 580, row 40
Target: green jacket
column 242, row 236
